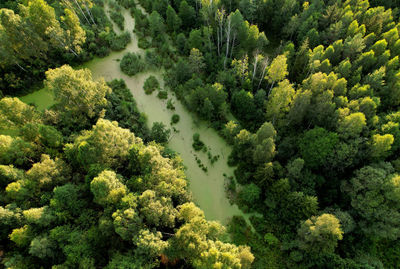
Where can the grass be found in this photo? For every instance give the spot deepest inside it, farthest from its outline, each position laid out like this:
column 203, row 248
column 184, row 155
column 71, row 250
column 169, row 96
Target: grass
column 41, row 99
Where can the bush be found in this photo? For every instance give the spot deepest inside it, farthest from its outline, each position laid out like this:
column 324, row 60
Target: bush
column 117, row 18
column 162, row 94
column 143, row 43
column 197, row 143
column 122, row 107
column 153, row 59
column 170, row 105
column 175, row 119
column 127, row 3
column 120, row 42
column 131, row 64
column 160, row 133
column 151, row 84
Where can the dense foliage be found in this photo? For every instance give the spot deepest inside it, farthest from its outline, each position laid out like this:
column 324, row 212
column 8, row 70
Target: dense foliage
column 36, row 35
column 311, row 112
column 316, row 131
column 98, row 197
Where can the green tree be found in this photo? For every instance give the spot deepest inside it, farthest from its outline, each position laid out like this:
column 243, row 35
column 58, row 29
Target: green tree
column 21, row 236
column 380, row 145
column 277, row 71
column 196, row 61
column 159, row 132
column 319, row 235
column 107, row 188
column 115, row 142
column 279, row 101
column 15, row 114
column 173, row 21
column 76, row 92
column 352, row 125
column 158, row 211
column 316, row 146
column 157, row 27
column 250, row 194
column 374, row 194
column 150, row 244
column 127, row 223
column 74, row 35
column 187, row 15
column 67, row 201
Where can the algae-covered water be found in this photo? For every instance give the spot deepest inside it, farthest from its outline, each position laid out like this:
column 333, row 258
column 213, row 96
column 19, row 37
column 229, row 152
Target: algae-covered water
column 207, row 187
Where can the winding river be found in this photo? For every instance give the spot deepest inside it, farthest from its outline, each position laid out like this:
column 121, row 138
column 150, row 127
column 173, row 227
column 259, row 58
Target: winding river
column 207, row 187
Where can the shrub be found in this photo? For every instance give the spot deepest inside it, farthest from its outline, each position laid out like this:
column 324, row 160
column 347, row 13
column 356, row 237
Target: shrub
column 175, row 119
column 117, row 17
column 143, row 43
column 150, row 85
column 131, row 64
column 170, row 104
column 153, row 59
column 197, row 143
column 120, row 42
column 127, row 3
column 162, row 94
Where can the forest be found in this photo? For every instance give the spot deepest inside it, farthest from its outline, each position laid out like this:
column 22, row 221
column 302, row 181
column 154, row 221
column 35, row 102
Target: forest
column 304, row 95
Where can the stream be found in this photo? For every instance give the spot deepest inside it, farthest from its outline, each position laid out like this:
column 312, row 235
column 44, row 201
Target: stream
column 207, row 188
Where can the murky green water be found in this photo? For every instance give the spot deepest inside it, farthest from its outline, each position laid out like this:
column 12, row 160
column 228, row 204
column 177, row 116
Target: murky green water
column 42, row 99
column 207, row 187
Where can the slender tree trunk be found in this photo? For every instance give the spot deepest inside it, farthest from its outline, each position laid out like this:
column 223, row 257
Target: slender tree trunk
column 63, row 45
column 228, row 35
column 255, row 67
column 68, row 4
column 270, row 89
column 218, row 41
column 23, row 69
column 90, row 13
column 263, row 73
column 83, row 13
column 233, row 45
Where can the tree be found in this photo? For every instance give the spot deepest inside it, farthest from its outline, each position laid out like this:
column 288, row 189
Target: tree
column 380, row 145
column 265, row 145
column 13, row 48
column 127, row 223
column 158, row 211
column 74, row 35
column 16, row 151
column 319, row 235
column 15, row 114
column 187, row 15
column 159, row 133
column 316, row 146
column 195, row 40
column 21, row 236
column 43, row 247
column 277, row 71
column 374, row 194
column 196, row 61
column 115, row 142
column 48, row 173
column 279, row 101
column 66, row 201
column 157, row 28
column 107, row 188
column 41, row 17
column 250, row 194
column 352, row 125
column 173, row 21
column 150, row 244
column 76, row 92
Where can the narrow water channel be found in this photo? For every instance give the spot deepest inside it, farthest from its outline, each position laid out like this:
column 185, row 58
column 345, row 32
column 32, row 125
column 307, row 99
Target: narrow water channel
column 207, row 187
